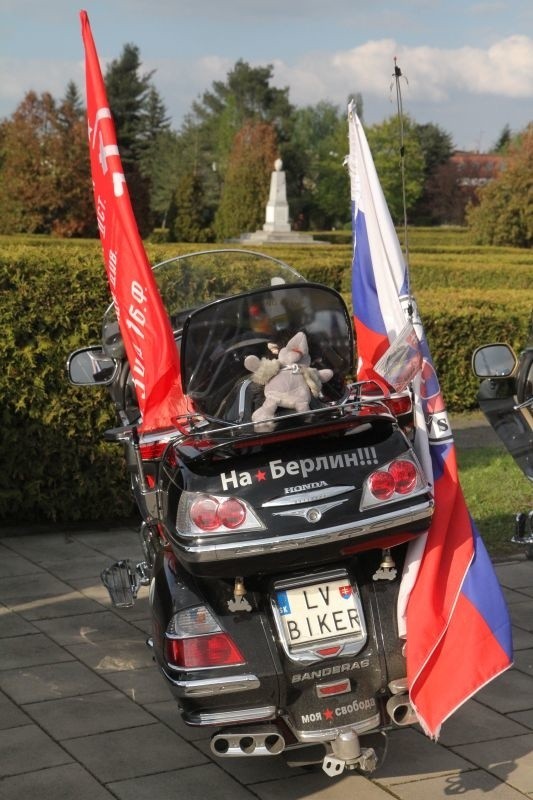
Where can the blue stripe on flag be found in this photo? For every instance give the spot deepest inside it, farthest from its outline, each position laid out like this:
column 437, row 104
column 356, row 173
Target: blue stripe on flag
column 364, row 291
column 482, row 589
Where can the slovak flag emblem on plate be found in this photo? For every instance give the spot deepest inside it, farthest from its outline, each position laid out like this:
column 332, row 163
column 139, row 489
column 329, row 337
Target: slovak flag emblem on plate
column 346, row 591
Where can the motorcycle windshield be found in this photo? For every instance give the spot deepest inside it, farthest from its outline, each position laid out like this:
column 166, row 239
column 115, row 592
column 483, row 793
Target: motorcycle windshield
column 192, row 280
column 218, row 337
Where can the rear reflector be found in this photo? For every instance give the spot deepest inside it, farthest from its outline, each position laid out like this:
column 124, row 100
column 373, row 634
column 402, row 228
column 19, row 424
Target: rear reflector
column 330, row 689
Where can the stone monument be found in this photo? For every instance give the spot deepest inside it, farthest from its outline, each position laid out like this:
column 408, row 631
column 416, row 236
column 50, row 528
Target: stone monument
column 277, row 228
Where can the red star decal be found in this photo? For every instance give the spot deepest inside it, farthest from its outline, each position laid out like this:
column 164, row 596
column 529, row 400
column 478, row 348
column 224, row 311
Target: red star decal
column 261, row 475
column 328, row 714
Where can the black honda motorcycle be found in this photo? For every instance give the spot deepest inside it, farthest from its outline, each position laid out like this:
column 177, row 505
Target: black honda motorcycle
column 273, row 552
column 506, row 398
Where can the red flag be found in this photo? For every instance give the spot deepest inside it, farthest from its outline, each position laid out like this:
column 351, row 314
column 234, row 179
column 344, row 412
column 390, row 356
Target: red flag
column 150, row 347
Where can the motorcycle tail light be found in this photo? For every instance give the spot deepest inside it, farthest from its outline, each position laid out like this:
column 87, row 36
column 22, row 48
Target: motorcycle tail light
column 208, row 513
column 393, row 481
column 203, row 652
column 381, row 484
column 404, row 474
column 204, row 513
column 232, row 513
column 399, row 404
column 195, row 640
column 152, row 451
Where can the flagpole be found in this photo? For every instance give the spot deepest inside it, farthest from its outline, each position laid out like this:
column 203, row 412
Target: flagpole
column 399, row 105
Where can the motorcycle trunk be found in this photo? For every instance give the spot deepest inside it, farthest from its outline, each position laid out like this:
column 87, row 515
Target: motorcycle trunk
column 308, row 601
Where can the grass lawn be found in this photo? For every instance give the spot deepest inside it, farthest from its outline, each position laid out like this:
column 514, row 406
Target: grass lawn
column 495, row 490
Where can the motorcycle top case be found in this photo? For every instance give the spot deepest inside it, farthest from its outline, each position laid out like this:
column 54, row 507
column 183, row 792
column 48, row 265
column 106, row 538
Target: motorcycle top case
column 306, row 498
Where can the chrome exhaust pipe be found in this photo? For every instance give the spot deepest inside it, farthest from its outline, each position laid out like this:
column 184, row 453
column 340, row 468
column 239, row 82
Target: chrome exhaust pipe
column 401, row 711
column 266, row 741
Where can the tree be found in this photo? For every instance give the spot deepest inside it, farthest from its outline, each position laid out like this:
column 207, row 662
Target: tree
column 188, row 223
column 27, row 189
column 437, row 148
column 503, row 140
column 209, row 131
column 127, row 92
column 384, row 141
column 139, row 116
column 249, row 95
column 504, row 216
column 45, row 184
column 75, row 214
column 245, row 191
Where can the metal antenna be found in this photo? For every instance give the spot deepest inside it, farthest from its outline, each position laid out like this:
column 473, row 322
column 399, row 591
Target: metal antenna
column 397, row 75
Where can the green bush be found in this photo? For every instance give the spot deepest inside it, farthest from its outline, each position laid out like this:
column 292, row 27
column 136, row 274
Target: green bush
column 55, row 466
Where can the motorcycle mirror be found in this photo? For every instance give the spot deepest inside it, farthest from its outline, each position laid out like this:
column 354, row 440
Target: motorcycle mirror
column 493, row 361
column 90, row 366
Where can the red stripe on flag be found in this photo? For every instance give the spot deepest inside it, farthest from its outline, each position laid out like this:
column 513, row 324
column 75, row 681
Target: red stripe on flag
column 144, row 325
column 370, row 347
column 445, row 684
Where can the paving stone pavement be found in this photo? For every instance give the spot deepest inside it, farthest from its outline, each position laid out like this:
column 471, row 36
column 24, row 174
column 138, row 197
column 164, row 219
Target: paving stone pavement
column 85, row 715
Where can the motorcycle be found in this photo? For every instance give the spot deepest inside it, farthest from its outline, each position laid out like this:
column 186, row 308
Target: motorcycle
column 505, row 396
column 273, row 543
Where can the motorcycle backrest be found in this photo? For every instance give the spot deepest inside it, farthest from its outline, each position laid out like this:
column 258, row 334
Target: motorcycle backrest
column 217, row 337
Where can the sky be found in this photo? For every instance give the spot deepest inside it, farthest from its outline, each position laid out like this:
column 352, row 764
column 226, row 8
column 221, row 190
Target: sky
column 467, row 64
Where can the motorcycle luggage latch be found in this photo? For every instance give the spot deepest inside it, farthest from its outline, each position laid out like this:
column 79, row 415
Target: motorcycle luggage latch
column 239, row 601
column 387, row 569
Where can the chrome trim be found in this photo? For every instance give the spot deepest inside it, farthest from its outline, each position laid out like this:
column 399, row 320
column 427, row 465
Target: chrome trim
column 312, row 514
column 211, row 687
column 207, row 551
column 328, row 735
column 295, row 498
column 231, row 717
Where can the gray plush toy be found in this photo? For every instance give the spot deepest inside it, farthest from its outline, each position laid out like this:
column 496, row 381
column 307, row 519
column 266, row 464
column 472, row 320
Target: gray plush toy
column 289, row 381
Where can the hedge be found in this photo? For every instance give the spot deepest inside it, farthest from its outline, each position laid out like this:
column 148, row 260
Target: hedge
column 55, row 465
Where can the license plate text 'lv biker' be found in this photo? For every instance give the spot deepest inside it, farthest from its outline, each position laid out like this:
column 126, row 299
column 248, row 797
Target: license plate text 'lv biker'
column 319, row 612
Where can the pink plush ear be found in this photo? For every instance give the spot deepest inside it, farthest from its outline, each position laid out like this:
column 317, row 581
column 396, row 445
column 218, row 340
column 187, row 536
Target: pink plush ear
column 299, row 344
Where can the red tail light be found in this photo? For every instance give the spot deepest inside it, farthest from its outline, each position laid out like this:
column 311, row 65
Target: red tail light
column 213, row 650
column 397, row 479
column 208, row 512
column 381, row 484
column 204, row 513
column 232, row 513
column 405, row 476
column 399, row 405
column 152, row 451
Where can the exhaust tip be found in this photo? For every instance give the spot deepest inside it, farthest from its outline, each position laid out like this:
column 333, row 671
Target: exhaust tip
column 259, row 742
column 220, row 745
column 274, row 743
column 247, row 745
column 401, row 711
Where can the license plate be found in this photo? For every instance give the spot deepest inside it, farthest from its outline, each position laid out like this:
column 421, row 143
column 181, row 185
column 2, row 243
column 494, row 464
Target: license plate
column 319, row 612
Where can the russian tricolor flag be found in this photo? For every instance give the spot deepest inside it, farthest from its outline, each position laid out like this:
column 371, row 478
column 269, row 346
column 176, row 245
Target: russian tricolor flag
column 451, row 608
